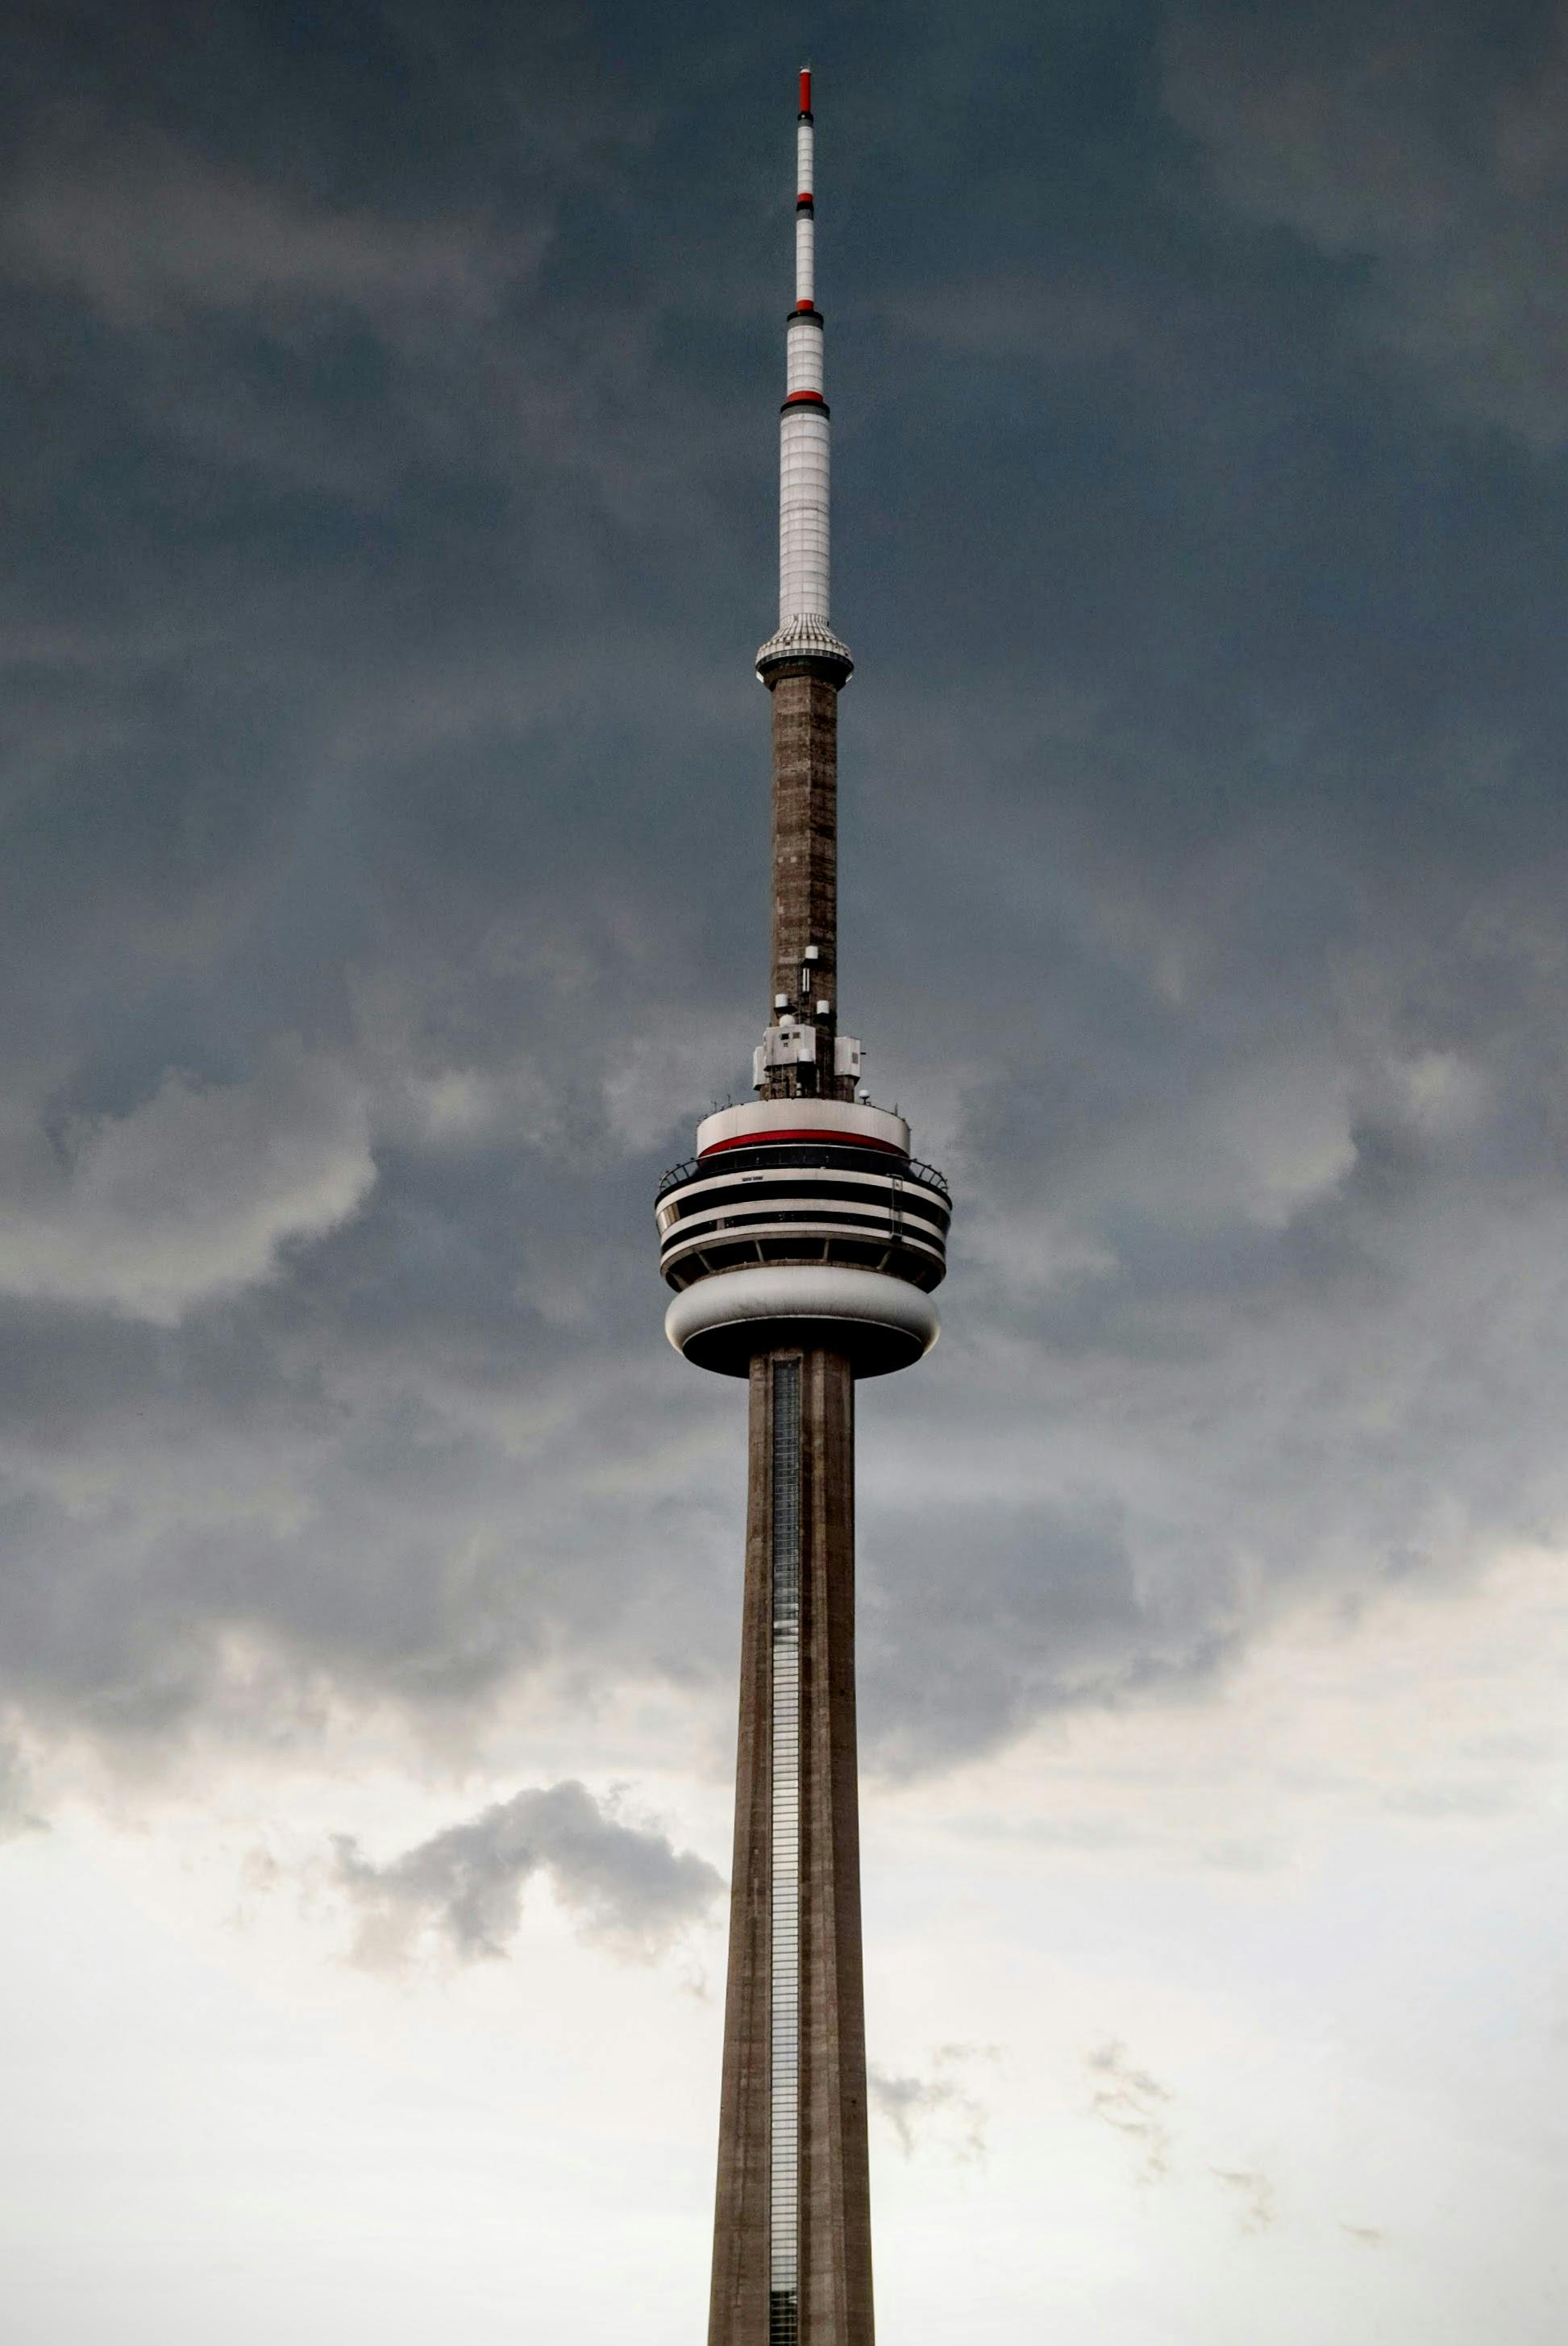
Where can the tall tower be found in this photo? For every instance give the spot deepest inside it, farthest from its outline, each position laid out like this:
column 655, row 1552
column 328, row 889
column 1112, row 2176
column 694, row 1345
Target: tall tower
column 803, row 1243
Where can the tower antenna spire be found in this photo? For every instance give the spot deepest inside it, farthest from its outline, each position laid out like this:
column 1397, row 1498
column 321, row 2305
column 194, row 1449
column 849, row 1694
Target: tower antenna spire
column 805, row 667
column 803, row 444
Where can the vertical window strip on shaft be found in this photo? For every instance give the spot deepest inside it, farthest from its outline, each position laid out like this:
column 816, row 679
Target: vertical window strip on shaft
column 784, row 2109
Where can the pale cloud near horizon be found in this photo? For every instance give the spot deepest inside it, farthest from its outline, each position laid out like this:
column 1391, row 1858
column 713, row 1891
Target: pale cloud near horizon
column 937, row 2105
column 625, row 1884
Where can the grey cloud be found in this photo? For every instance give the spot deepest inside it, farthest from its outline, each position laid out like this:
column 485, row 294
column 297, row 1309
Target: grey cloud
column 1131, row 2102
column 1433, row 149
column 190, row 1195
column 937, row 2107
column 144, row 231
column 626, row 1884
column 167, row 1578
column 1159, row 1343
column 1255, row 2193
column 1051, row 1611
column 1477, row 1802
column 18, row 1815
column 1047, row 315
column 1134, row 2103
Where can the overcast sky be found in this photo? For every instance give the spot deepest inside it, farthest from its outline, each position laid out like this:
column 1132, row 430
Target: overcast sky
column 389, row 430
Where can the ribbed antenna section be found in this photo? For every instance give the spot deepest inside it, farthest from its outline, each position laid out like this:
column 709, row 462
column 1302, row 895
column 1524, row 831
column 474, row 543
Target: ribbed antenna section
column 804, row 472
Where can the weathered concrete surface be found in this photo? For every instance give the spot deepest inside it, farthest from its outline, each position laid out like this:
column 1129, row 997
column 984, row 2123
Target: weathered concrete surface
column 805, row 870
column 835, row 2188
column 835, row 2250
column 739, row 2308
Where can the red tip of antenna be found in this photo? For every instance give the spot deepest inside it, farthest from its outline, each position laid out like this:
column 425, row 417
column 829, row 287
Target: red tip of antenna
column 805, row 89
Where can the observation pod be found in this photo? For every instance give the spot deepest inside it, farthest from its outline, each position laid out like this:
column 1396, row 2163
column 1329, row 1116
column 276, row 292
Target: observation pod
column 804, row 1223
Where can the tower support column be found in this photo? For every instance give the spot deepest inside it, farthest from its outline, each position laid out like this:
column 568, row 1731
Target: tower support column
column 792, row 2263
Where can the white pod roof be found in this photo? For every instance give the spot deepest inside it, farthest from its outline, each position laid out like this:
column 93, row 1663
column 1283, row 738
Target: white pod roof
column 763, row 1124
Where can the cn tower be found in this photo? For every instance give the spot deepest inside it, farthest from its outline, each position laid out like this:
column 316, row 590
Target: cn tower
column 803, row 1242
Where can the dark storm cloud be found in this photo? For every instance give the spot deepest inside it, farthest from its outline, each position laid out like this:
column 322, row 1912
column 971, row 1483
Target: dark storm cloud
column 626, row 1884
column 390, row 529
column 1430, row 150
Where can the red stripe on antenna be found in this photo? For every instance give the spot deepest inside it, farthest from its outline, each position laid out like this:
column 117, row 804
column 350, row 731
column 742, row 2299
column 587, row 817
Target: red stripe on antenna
column 805, row 89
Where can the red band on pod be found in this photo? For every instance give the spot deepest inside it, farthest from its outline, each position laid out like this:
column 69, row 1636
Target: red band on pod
column 766, row 1140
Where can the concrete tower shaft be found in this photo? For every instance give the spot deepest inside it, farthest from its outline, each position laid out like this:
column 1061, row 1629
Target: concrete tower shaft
column 792, row 2241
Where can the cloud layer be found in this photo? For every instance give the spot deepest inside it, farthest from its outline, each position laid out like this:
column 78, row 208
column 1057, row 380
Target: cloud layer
column 384, row 878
